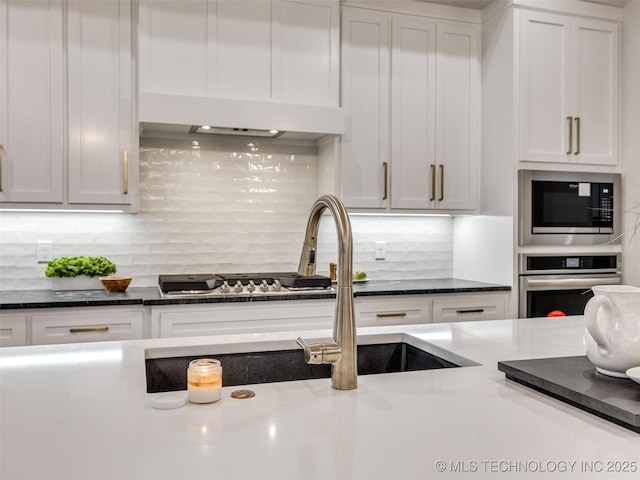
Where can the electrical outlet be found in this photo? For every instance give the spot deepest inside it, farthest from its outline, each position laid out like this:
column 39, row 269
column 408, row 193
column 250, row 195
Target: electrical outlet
column 44, row 251
column 381, row 250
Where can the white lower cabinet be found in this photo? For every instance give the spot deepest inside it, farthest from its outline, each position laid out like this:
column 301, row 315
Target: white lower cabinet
column 43, row 326
column 235, row 318
column 13, row 330
column 92, row 324
column 467, row 307
column 392, row 310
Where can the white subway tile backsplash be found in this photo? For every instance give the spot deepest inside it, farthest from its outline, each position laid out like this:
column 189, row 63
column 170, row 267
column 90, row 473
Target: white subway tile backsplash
column 225, row 205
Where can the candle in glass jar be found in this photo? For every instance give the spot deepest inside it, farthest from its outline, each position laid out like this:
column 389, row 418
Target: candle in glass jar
column 204, row 380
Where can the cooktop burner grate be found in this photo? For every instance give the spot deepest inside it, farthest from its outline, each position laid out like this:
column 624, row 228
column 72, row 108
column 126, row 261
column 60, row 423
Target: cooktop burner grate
column 267, row 282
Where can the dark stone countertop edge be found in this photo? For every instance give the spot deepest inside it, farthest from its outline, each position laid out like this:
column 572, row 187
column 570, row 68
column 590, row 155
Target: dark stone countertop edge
column 150, row 296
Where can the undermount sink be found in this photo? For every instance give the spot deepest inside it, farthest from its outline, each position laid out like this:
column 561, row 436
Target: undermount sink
column 169, row 373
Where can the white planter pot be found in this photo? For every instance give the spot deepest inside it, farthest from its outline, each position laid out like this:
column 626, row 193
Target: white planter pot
column 81, row 282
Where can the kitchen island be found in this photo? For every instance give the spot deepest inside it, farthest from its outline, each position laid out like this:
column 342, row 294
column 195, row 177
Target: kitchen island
column 81, row 411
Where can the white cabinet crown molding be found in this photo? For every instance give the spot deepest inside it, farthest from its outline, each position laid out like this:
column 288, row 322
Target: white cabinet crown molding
column 583, row 8
column 419, row 8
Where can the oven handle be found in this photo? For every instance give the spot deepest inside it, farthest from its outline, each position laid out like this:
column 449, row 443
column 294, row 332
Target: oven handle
column 574, row 282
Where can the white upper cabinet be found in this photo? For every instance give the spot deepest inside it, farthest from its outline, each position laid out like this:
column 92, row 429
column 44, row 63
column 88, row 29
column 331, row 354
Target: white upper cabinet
column 67, row 118
column 279, row 50
column 101, row 145
column 569, row 80
column 366, row 44
column 413, row 113
column 306, row 52
column 32, row 101
column 411, row 89
column 457, row 116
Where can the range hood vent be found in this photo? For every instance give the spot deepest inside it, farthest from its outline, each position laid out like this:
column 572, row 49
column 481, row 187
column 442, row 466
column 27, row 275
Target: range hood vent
column 243, row 132
column 164, row 113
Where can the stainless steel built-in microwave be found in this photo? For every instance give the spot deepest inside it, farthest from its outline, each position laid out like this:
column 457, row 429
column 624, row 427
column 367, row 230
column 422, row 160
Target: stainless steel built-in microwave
column 568, row 208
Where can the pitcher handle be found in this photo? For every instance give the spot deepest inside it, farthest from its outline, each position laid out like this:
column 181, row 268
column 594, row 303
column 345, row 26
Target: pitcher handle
column 592, row 314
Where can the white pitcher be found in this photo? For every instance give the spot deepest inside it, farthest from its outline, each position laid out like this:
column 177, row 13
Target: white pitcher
column 612, row 338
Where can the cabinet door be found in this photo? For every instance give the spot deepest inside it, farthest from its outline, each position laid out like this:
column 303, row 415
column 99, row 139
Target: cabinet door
column 595, row 96
column 306, row 51
column 101, row 155
column 469, row 307
column 174, row 46
column 87, row 325
column 13, row 330
column 365, row 96
column 242, row 44
column 31, row 101
column 457, row 117
column 221, row 319
column 393, row 310
column 544, row 87
column 413, row 112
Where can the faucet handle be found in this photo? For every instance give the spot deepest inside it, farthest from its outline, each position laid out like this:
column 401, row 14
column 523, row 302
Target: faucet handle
column 319, row 353
column 312, row 353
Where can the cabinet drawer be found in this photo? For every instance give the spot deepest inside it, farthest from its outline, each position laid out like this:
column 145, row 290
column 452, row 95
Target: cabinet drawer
column 397, row 311
column 469, row 307
column 13, row 330
column 199, row 320
column 86, row 327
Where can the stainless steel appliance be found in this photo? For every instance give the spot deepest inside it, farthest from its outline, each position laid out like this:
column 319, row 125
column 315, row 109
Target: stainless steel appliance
column 241, row 284
column 568, row 208
column 561, row 284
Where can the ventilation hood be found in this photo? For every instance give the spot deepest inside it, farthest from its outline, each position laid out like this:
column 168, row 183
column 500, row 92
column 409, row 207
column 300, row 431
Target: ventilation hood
column 184, row 114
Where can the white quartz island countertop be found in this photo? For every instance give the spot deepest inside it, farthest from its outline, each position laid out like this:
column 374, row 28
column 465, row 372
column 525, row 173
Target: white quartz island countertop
column 82, row 412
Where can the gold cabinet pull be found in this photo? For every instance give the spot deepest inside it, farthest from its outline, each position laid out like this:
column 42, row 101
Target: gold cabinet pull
column 1, row 152
column 88, row 329
column 385, row 168
column 471, row 310
column 433, row 183
column 441, row 197
column 577, row 119
column 570, row 120
column 391, row 314
column 125, row 167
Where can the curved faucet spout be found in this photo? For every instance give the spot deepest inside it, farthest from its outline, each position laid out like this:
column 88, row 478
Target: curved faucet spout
column 343, row 357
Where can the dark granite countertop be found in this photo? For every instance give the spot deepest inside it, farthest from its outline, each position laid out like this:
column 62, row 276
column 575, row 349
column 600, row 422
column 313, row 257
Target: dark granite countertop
column 18, row 299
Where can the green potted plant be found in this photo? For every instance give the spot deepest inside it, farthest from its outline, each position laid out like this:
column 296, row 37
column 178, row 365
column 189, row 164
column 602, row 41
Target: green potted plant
column 78, row 273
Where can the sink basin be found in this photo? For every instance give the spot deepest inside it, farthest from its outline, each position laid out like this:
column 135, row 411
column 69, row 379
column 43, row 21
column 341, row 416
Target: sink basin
column 166, row 374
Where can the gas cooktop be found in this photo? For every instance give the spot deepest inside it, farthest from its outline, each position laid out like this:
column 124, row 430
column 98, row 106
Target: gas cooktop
column 236, row 284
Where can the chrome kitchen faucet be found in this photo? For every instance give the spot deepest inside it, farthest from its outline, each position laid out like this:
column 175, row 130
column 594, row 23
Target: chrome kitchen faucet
column 341, row 353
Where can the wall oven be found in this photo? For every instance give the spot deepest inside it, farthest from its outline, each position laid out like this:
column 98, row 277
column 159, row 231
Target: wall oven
column 560, row 285
column 568, row 208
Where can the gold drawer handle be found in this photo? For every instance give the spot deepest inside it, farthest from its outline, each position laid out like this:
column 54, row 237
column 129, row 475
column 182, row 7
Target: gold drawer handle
column 391, row 314
column 385, row 167
column 88, row 329
column 433, row 183
column 577, row 120
column 441, row 197
column 1, row 152
column 570, row 120
column 471, row 310
column 125, row 166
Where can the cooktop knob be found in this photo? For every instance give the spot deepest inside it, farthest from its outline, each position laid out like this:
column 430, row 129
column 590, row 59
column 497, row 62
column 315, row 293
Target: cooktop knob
column 264, row 286
column 276, row 285
column 224, row 288
column 237, row 287
column 251, row 287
